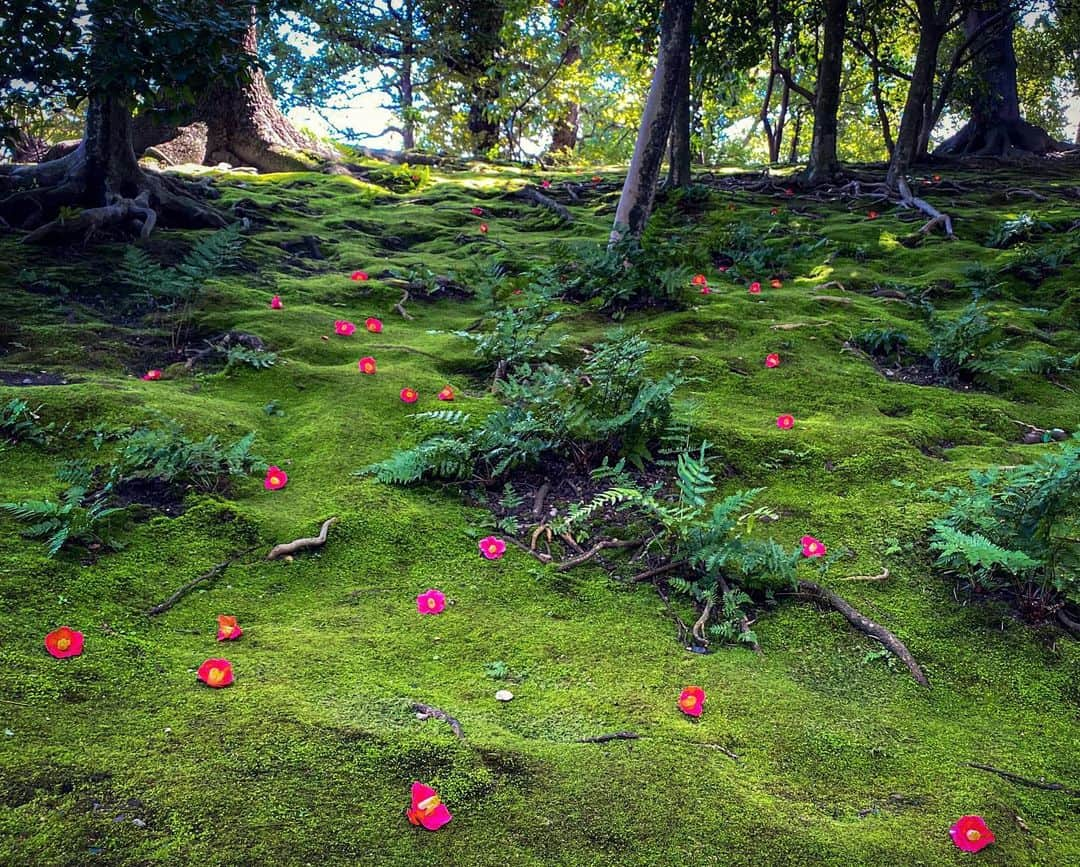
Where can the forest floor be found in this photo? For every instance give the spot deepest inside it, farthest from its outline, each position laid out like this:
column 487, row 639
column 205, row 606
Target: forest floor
column 820, row 751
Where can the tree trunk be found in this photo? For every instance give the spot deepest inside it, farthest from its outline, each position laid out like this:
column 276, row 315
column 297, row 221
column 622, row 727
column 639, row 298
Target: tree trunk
column 408, row 111
column 913, row 122
column 995, row 127
column 639, row 189
column 564, row 135
column 824, row 164
column 679, row 148
column 796, row 133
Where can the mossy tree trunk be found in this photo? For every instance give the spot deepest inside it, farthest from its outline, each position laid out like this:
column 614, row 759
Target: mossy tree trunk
column 679, row 149
column 824, row 163
column 639, row 189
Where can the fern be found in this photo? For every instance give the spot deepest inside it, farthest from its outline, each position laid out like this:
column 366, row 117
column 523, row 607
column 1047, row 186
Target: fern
column 20, row 423
column 74, row 520
column 975, row 550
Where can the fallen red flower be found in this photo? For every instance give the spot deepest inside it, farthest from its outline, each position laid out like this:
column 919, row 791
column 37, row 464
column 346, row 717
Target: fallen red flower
column 276, row 479
column 228, row 629
column 447, row 393
column 275, row 302
column 152, row 375
column 427, row 809
column 359, row 275
column 691, row 700
column 971, row 834
column 409, row 395
column 366, row 364
column 64, row 642
column 216, row 673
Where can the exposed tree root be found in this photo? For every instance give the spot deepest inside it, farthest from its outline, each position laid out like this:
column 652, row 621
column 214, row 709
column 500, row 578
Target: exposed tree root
column 426, row 711
column 531, row 194
column 613, row 736
column 400, row 306
column 698, row 629
column 865, row 625
column 791, row 326
column 882, row 577
column 596, row 549
column 302, row 544
column 134, row 215
column 539, row 498
column 1025, row 781
column 649, row 574
column 909, row 200
column 210, row 575
column 1070, row 625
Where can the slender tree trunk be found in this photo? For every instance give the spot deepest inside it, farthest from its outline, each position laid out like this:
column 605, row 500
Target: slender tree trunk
column 679, row 174
column 635, row 203
column 564, row 134
column 408, row 116
column 824, row 163
column 793, row 152
column 913, row 122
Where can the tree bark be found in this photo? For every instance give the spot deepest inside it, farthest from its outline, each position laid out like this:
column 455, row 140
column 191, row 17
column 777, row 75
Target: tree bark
column 564, row 135
column 824, row 163
column 996, row 127
column 913, row 121
column 639, row 189
column 679, row 174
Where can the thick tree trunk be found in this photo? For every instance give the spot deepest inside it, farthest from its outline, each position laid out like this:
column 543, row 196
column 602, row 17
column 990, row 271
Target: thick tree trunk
column 913, row 121
column 483, row 125
column 995, row 127
column 679, row 148
column 638, row 191
column 564, row 134
column 824, row 163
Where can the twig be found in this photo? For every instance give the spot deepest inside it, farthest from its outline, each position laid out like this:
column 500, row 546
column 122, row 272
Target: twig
column 191, row 585
column 1024, row 781
column 698, row 629
column 400, row 306
column 300, row 544
column 538, row 500
column 659, row 570
column 791, row 326
column 867, row 626
column 566, row 565
column 882, row 577
column 543, row 558
column 435, row 713
column 614, row 736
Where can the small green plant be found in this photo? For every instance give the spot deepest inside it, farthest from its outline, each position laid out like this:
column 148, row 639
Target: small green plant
column 76, row 519
column 497, row 670
column 968, row 345
column 883, row 342
column 624, row 275
column 1021, row 228
column 237, row 355
column 1017, row 530
column 21, row 424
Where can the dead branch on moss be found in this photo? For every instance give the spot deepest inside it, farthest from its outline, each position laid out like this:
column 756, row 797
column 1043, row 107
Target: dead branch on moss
column 698, row 629
column 659, row 570
column 791, row 326
column 613, row 736
column 1025, row 781
column 301, row 544
column 427, row 711
column 400, row 306
column 882, row 577
column 596, row 549
column 865, row 625
column 1026, row 193
column 209, row 575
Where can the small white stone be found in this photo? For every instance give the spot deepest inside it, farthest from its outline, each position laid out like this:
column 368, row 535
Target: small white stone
column 503, row 695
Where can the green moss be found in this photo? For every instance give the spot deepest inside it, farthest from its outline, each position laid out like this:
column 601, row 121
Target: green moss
column 842, row 759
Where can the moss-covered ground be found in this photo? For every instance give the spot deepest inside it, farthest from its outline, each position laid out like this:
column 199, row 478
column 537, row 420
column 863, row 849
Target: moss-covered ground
column 120, row 756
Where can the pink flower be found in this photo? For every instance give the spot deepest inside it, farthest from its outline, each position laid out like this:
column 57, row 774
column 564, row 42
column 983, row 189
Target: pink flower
column 366, row 365
column 691, row 700
column 344, row 327
column 427, row 809
column 785, row 422
column 483, row 228
column 772, row 360
column 545, row 183
column 596, row 179
column 776, row 283
column 64, row 642
column 970, row 834
column 359, row 275
column 447, row 393
column 722, row 268
column 477, row 212
column 409, row 395
column 812, row 547
column 228, row 629
column 755, row 288
column 430, row 602
column 216, row 673
column 373, row 325
column 275, row 302
column 872, row 215
column 276, row 479
column 152, row 375
column 699, row 280
column 492, row 547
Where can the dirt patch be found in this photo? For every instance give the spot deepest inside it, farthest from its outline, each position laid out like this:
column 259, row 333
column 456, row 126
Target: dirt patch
column 151, row 493
column 22, row 377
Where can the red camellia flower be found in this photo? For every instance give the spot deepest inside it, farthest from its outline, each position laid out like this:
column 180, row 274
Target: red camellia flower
column 774, row 211
column 373, row 325
column 812, row 547
column 476, row 212
column 596, row 179
column 216, row 673
column 409, row 395
column 430, row 602
column 785, row 422
column 366, row 364
column 772, row 360
column 275, row 302
column 483, row 228
column 447, row 393
column 705, row 290
column 755, row 288
column 971, row 834
column 872, row 215
column 699, row 280
column 152, row 375
column 790, row 191
column 359, row 275
column 427, row 810
column 344, row 327
column 691, row 700
column 545, row 183
column 492, row 547
column 64, row 642
column 776, row 282
column 937, row 179
column 227, row 628
column 276, row 479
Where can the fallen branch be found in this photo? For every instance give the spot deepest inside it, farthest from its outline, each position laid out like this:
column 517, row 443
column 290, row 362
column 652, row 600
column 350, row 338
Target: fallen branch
column 301, row 544
column 594, row 550
column 1024, row 781
column 538, row 500
column 659, row 570
column 1031, row 194
column 425, row 711
column 791, row 326
column 400, row 306
column 209, row 575
column 531, row 194
column 865, row 625
column 543, row 558
column 882, row 577
column 614, row 736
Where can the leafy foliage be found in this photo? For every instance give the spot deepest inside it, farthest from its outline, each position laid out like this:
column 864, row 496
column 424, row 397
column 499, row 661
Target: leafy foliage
column 881, row 342
column 1017, row 529
column 625, row 275
column 965, row 345
column 77, row 519
column 20, row 423
column 1021, row 228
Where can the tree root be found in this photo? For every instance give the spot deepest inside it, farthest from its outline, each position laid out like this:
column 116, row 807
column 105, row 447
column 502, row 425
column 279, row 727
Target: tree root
column 426, row 711
column 301, row 544
column 698, row 629
column 1070, row 625
column 400, row 306
column 613, row 736
column 882, row 577
column 865, row 625
column 119, row 213
column 909, row 200
column 791, row 326
column 659, row 570
column 531, row 194
column 566, row 565
column 538, row 500
column 209, row 575
column 1025, row 781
